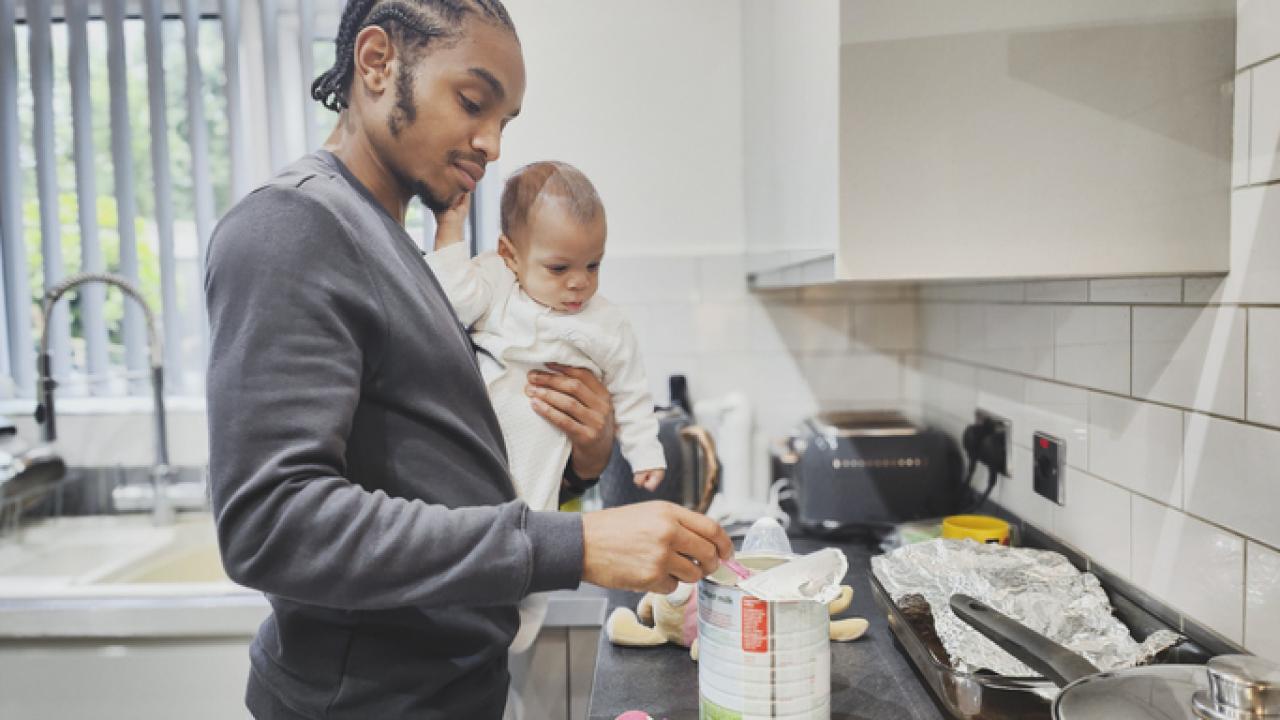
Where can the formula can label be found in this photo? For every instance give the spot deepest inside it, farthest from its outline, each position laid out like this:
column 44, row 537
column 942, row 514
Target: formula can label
column 708, row 710
column 755, row 625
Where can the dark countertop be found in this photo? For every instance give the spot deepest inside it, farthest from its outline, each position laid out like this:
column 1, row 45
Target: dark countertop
column 870, row 678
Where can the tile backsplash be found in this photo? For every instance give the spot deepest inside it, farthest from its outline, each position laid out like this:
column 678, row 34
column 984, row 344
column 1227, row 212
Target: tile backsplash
column 1168, row 404
column 1165, row 389
column 790, row 352
column 1170, row 416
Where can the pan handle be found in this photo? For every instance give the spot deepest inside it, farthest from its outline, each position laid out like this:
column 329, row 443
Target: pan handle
column 1041, row 654
column 711, row 466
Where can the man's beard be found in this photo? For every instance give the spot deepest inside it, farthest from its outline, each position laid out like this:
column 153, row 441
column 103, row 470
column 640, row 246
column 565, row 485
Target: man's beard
column 403, row 115
column 428, row 198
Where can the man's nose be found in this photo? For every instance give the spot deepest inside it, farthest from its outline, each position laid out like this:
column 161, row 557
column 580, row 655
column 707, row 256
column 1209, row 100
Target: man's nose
column 489, row 141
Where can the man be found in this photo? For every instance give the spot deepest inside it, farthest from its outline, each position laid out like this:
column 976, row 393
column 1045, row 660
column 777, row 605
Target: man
column 357, row 469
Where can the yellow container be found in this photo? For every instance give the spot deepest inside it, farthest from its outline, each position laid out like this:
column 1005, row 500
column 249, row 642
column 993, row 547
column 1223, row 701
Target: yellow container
column 982, row 528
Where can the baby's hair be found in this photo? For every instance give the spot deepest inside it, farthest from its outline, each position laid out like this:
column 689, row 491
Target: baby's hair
column 550, row 178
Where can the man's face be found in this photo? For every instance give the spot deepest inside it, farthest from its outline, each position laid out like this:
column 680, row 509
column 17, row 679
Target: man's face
column 441, row 123
column 557, row 257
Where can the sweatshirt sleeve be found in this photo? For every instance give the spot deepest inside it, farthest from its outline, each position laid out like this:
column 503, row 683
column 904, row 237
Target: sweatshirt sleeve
column 296, row 326
column 628, row 386
column 472, row 285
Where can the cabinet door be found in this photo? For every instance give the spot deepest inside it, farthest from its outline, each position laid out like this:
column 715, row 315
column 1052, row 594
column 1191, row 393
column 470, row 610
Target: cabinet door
column 1034, row 138
column 790, row 65
column 539, row 678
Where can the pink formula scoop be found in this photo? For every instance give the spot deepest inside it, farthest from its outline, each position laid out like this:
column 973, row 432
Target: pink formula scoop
column 737, row 568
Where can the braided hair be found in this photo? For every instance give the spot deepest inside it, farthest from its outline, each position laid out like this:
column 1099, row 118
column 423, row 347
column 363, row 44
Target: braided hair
column 410, row 23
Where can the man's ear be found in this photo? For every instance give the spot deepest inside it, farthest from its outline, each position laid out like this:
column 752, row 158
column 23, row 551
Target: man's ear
column 507, row 251
column 375, row 58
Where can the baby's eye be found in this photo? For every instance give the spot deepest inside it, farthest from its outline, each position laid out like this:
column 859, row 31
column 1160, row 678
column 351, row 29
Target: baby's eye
column 593, row 267
column 557, row 269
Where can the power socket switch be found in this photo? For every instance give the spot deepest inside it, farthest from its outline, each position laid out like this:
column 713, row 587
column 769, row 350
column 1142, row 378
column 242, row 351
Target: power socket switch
column 1049, row 459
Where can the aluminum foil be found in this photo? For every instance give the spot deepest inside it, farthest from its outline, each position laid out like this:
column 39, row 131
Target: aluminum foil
column 1037, row 587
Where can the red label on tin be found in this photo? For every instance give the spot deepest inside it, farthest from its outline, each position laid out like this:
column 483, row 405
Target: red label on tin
column 755, row 625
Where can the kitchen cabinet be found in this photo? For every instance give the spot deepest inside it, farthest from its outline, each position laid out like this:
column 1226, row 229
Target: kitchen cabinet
column 791, row 102
column 553, row 678
column 991, row 139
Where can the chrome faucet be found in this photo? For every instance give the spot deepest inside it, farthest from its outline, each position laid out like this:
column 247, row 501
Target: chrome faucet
column 162, row 510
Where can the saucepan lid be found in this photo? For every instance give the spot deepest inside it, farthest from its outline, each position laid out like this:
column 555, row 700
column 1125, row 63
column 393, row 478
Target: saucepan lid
column 1163, row 692
column 1230, row 687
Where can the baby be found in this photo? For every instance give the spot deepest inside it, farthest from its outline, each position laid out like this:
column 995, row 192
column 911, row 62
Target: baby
column 534, row 302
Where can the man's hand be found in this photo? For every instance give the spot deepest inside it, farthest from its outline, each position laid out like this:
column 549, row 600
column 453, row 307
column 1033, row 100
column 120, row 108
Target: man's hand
column 577, row 403
column 650, row 546
column 451, row 222
column 649, row 479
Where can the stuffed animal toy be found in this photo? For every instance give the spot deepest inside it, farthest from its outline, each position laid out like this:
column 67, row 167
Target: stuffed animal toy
column 673, row 618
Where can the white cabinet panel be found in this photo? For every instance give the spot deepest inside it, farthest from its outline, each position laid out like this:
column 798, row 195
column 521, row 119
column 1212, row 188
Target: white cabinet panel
column 790, row 73
column 1051, row 140
column 1264, row 125
column 126, row 680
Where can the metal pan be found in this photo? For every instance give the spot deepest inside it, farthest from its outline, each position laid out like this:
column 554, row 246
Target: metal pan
column 1229, row 687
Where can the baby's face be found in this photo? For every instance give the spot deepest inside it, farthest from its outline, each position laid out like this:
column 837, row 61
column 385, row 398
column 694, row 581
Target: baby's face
column 558, row 260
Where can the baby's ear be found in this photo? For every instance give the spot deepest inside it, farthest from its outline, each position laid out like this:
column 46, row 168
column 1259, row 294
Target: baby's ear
column 507, row 251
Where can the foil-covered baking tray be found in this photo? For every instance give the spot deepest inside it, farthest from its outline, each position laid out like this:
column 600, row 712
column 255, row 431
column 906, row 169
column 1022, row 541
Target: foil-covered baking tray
column 967, row 692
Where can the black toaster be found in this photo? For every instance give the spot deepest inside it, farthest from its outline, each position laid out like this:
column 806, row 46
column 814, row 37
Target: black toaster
column 860, row 473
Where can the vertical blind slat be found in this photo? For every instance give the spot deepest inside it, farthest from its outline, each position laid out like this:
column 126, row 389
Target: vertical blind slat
column 92, row 322
column 16, row 343
column 41, row 46
column 428, row 229
column 152, row 18
column 198, row 135
column 473, row 214
column 135, row 357
column 487, row 200
column 306, row 48
column 230, row 11
column 275, row 101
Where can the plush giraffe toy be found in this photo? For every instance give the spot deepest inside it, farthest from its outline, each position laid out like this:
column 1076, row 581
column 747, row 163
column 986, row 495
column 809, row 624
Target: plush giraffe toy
column 673, row 618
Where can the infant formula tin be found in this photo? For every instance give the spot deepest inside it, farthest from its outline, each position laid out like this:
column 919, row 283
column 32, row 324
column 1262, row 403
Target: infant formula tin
column 759, row 659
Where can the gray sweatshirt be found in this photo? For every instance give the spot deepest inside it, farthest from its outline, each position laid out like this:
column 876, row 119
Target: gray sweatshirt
column 356, row 466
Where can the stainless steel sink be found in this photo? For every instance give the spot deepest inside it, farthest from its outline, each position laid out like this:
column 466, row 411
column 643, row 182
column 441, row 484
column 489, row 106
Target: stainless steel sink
column 122, row 555
column 200, row 564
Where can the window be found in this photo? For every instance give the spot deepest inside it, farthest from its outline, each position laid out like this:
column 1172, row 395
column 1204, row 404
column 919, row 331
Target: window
column 65, row 219
column 79, row 192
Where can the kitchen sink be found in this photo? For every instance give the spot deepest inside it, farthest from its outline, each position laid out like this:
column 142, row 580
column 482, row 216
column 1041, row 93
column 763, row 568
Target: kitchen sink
column 201, row 564
column 113, row 555
column 118, row 603
column 120, row 576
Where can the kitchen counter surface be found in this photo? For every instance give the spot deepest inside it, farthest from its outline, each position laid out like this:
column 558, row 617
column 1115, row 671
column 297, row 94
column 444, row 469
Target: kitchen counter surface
column 870, row 678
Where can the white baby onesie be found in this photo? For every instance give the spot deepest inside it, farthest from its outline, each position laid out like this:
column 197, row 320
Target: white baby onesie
column 520, row 335
column 517, row 335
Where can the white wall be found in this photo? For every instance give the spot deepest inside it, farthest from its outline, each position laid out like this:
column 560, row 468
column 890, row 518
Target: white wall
column 645, row 97
column 1167, row 391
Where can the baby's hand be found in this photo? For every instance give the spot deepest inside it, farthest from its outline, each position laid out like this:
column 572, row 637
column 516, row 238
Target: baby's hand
column 450, row 223
column 649, row 479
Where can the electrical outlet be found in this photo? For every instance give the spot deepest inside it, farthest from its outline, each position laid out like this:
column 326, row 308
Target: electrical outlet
column 1004, row 431
column 1049, row 459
